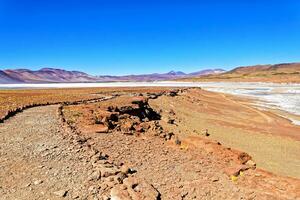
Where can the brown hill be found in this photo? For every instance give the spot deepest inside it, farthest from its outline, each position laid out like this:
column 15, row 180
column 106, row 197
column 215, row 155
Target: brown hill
column 48, row 75
column 281, row 73
column 6, row 78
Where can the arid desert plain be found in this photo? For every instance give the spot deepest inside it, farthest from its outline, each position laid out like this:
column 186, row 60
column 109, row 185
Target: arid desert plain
column 152, row 141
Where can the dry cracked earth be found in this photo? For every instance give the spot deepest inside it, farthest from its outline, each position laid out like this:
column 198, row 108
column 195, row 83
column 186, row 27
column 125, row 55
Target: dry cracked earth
column 121, row 148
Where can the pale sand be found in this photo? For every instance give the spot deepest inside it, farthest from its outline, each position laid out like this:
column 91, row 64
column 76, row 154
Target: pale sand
column 272, row 141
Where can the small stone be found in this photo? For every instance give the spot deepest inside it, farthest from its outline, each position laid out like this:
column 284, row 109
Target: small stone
column 95, row 176
column 124, row 169
column 251, row 164
column 215, row 179
column 120, row 177
column 106, row 172
column 257, row 175
column 244, row 157
column 37, row 182
column 139, row 100
column 235, row 171
column 102, row 129
column 61, row 193
column 127, row 127
column 177, row 141
column 123, row 187
column 184, row 194
column 171, row 121
column 28, row 184
column 206, row 133
column 169, row 136
column 119, row 194
column 139, row 128
column 171, row 112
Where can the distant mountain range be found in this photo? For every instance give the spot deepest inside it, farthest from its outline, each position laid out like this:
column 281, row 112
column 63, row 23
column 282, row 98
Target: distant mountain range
column 284, row 72
column 51, row 75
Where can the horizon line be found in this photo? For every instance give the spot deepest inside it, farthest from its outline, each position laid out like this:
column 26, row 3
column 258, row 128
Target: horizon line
column 171, row 70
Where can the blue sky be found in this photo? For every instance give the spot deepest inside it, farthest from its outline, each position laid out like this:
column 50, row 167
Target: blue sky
column 136, row 36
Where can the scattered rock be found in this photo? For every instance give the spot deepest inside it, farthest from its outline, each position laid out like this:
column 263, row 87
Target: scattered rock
column 152, row 96
column 171, row 112
column 120, row 177
column 139, row 128
column 140, row 100
column 61, row 193
column 206, row 133
column 37, row 182
column 243, row 157
column 171, row 121
column 169, row 136
column 235, row 171
column 177, row 141
column 215, row 179
column 28, row 184
column 95, row 176
column 118, row 193
column 251, row 164
column 127, row 127
column 172, row 93
column 140, row 189
column 102, row 129
column 106, row 172
column 125, row 169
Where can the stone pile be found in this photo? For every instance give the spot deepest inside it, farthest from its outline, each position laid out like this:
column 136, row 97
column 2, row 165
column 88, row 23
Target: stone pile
column 128, row 119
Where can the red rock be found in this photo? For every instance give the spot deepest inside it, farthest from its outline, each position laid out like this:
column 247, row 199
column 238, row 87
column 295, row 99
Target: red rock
column 118, row 193
column 235, row 170
column 108, row 171
column 127, row 126
column 251, row 164
column 102, row 129
column 139, row 189
column 244, row 157
column 139, row 128
column 125, row 169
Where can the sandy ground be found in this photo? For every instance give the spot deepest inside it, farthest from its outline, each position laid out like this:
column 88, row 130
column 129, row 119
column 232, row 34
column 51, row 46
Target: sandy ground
column 273, row 141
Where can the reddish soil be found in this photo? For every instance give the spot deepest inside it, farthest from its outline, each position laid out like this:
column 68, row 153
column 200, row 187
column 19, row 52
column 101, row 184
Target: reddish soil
column 150, row 139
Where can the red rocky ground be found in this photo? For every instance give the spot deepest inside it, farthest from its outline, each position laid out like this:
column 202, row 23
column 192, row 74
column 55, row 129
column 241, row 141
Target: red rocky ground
column 159, row 162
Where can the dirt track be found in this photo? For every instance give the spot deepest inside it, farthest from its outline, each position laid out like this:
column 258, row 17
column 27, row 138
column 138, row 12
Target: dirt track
column 36, row 162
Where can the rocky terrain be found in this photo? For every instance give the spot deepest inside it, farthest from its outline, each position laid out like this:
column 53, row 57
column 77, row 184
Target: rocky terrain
column 128, row 145
column 14, row 101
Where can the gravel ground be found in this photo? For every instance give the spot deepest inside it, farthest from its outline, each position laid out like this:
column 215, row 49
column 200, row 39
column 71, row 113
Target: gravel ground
column 36, row 162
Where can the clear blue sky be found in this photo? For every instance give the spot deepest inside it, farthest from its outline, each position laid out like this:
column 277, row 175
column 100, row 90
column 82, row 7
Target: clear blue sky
column 136, row 36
